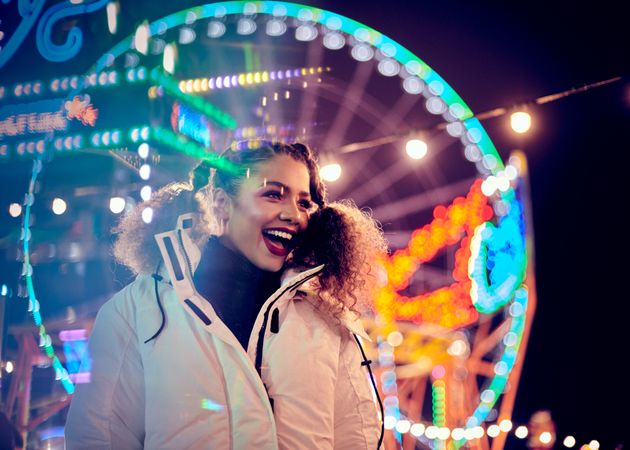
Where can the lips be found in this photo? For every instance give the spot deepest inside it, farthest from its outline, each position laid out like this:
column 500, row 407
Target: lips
column 279, row 240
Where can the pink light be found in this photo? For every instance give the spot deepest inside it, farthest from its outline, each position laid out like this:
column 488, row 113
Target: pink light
column 73, row 335
column 438, row 372
column 79, row 378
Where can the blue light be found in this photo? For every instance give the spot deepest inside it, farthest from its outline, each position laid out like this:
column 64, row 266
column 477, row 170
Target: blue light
column 4, row 290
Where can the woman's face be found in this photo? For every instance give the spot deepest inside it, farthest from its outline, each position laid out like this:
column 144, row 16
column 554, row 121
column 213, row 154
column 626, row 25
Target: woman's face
column 271, row 208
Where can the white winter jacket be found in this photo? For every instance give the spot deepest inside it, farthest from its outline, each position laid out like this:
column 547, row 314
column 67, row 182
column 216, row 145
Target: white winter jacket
column 194, row 387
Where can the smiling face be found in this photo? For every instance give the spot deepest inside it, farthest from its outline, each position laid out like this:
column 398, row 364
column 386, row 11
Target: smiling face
column 270, row 209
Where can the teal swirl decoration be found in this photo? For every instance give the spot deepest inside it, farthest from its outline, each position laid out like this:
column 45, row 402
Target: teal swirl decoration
column 74, row 40
column 30, row 11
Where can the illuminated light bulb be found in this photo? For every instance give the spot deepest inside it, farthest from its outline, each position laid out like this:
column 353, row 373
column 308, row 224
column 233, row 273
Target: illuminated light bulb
column 147, row 215
column 59, row 206
column 501, row 368
column 112, row 17
column 334, row 41
column 416, row 148
column 510, row 339
column 438, row 372
column 457, row 434
column 395, row 338
column 443, row 433
column 469, row 434
column 362, row 52
column 216, row 29
column 417, row 429
column 435, row 105
column 245, row 26
column 330, row 172
column 144, row 133
column 545, row 437
column 116, row 205
column 168, row 59
column 457, row 111
column 594, row 444
column 15, row 209
column 436, row 87
column 493, row 431
column 226, row 81
column 520, row 122
column 457, row 348
column 9, row 364
column 186, row 35
column 489, row 186
column 403, row 426
column 510, row 172
column 569, row 442
column 145, row 193
column 503, row 183
column 487, row 396
column 456, row 129
column 145, row 171
column 388, row 67
column 390, row 422
column 413, row 85
column 516, row 309
column 521, row 432
column 305, row 33
column 141, row 38
column 431, row 432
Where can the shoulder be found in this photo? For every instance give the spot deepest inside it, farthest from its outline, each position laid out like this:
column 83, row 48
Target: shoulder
column 128, row 301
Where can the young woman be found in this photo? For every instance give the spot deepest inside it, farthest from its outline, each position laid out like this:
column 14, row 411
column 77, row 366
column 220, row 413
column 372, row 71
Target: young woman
column 241, row 328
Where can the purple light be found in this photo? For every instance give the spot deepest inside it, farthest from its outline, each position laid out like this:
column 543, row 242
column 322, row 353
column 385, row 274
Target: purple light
column 234, row 80
column 272, row 75
column 296, row 73
column 288, row 73
column 219, row 82
column 211, row 83
column 280, row 75
column 73, row 335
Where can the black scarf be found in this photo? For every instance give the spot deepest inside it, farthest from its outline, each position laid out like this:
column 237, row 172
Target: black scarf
column 235, row 287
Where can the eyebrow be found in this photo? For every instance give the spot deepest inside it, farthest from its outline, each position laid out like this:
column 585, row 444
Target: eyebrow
column 283, row 186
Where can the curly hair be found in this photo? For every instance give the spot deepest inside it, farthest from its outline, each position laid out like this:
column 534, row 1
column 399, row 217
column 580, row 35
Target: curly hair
column 349, row 242
column 135, row 246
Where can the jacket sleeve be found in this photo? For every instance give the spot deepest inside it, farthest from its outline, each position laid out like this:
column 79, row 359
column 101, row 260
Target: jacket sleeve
column 108, row 411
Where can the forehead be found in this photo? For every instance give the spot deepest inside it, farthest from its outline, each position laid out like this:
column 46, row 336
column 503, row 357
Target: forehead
column 282, row 169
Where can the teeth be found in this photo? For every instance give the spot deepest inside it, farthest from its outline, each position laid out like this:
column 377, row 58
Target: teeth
column 281, row 234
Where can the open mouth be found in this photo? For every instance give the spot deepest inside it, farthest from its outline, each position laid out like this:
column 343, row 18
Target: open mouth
column 279, row 242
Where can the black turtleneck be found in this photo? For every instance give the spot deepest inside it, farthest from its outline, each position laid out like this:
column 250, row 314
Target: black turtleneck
column 235, row 287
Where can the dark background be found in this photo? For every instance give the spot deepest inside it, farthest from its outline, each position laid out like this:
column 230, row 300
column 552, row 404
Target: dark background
column 502, row 54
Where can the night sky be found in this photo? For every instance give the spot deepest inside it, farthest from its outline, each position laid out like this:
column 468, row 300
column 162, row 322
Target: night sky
column 503, row 54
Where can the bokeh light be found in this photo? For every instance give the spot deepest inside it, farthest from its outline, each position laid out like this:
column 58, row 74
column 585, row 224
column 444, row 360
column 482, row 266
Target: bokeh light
column 15, row 209
column 330, row 172
column 59, row 206
column 416, row 148
column 520, row 122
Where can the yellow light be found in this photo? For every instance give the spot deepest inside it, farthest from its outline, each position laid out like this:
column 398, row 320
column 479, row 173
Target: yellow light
column 265, row 76
column 189, row 86
column 182, row 86
column 204, row 84
column 59, row 206
column 249, row 78
column 257, row 77
column 330, row 172
column 15, row 209
column 416, row 148
column 521, row 122
column 196, row 85
column 241, row 79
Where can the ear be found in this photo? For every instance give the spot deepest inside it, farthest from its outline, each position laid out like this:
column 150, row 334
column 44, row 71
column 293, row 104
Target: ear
column 221, row 205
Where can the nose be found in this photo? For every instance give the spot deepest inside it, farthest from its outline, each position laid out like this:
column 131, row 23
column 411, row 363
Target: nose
column 290, row 212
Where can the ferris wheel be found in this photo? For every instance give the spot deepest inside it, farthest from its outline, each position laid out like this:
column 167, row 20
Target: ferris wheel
column 452, row 319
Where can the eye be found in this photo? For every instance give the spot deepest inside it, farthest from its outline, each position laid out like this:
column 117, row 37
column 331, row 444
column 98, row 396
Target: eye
column 305, row 204
column 276, row 195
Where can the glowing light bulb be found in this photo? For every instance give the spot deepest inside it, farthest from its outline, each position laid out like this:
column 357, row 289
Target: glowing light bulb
column 594, row 444
column 416, row 148
column 417, row 429
column 521, row 432
column 147, row 215
column 168, row 60
column 9, row 366
column 545, row 437
column 141, row 38
column 330, row 172
column 569, row 442
column 395, row 338
column 431, row 432
column 116, row 205
column 520, row 122
column 403, row 426
column 112, row 15
column 15, row 209
column 145, row 193
column 145, row 171
column 216, row 29
column 390, row 422
column 143, row 150
column 59, row 206
column 493, row 430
